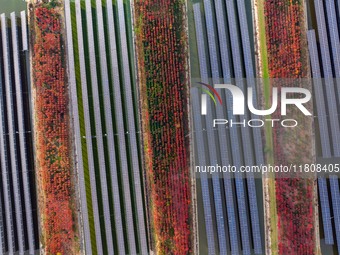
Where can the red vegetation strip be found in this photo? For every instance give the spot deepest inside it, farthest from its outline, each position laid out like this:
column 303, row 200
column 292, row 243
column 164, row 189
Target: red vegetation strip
column 288, row 59
column 52, row 133
column 161, row 45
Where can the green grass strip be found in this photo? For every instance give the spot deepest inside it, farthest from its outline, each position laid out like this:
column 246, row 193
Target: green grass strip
column 82, row 130
column 268, row 128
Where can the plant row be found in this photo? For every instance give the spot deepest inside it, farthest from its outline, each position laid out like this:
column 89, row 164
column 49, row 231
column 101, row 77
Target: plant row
column 162, row 43
column 287, row 58
column 52, row 132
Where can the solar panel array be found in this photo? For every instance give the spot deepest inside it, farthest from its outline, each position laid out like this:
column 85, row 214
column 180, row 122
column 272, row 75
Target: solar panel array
column 334, row 183
column 99, row 123
column 222, row 131
column 245, row 132
column 327, row 114
column 226, row 58
column 101, row 70
column 19, row 226
column 211, row 137
column 199, row 136
column 234, row 138
column 88, row 132
column 79, row 154
column 257, row 137
column 12, row 140
column 319, row 94
column 328, row 74
column 324, row 134
column 333, row 35
column 248, row 158
column 129, row 99
column 326, row 212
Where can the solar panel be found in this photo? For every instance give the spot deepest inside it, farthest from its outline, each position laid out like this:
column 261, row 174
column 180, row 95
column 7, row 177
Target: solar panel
column 334, row 182
column 131, row 121
column 212, row 144
column 241, row 197
column 98, row 128
column 318, row 91
column 222, row 131
column 199, row 134
column 199, row 139
column 12, row 141
column 2, row 237
column 24, row 30
column 333, row 32
column 247, row 56
column 223, row 41
column 325, row 144
column 5, row 168
column 333, row 35
column 239, row 183
column 325, row 209
column 248, row 59
column 21, row 129
column 245, row 132
column 249, row 68
column 212, row 43
column 88, row 131
column 329, row 84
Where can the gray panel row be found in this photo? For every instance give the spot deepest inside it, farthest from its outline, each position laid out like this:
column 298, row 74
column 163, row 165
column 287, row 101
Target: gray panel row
column 219, row 50
column 131, row 129
column 258, row 144
column 333, row 35
column 222, row 131
column 5, row 173
column 324, row 134
column 86, row 25
column 12, row 140
column 327, row 69
column 111, row 140
column 99, row 122
column 212, row 141
column 17, row 228
column 21, row 128
column 78, row 145
column 88, row 130
column 334, row 183
column 319, row 94
column 233, row 25
column 325, row 209
column 200, row 137
column 234, row 138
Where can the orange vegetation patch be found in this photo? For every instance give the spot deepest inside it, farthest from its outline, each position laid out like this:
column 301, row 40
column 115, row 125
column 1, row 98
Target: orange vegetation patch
column 52, row 136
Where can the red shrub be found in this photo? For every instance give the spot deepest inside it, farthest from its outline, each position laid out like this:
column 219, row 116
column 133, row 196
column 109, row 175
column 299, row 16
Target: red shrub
column 164, row 92
column 288, row 59
column 52, row 133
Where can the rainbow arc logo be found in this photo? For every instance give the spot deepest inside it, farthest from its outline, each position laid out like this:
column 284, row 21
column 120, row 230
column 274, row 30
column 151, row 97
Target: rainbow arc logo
column 211, row 91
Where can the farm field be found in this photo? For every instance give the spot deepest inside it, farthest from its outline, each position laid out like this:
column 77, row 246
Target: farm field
column 161, row 48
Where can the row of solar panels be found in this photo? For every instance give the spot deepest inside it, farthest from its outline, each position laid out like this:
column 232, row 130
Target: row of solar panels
column 324, row 52
column 112, row 158
column 236, row 218
column 18, row 209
